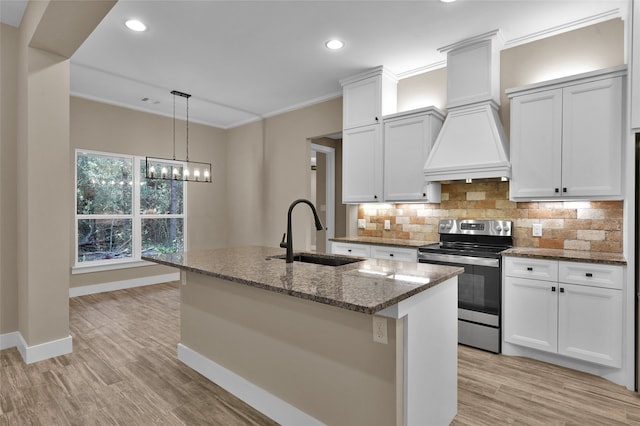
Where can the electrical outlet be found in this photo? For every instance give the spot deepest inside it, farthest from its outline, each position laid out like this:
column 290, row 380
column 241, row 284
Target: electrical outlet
column 537, row 230
column 380, row 330
column 362, row 223
column 387, row 224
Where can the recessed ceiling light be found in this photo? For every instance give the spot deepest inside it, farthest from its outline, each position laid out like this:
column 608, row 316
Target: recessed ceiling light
column 334, row 44
column 135, row 25
column 447, row 1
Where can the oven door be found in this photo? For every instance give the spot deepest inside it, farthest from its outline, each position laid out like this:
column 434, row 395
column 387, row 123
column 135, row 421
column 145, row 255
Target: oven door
column 479, row 295
column 479, row 285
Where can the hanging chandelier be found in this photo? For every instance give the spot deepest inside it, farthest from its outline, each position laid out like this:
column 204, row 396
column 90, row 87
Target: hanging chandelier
column 174, row 169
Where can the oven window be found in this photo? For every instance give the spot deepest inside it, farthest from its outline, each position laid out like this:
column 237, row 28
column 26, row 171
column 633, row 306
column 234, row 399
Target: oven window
column 479, row 289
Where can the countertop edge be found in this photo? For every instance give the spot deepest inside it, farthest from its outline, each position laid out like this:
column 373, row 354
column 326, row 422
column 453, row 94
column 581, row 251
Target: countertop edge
column 566, row 255
column 305, row 296
column 375, row 241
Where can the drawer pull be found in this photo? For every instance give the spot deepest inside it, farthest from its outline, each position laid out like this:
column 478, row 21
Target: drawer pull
column 391, row 254
column 529, row 268
column 561, row 289
column 589, row 274
column 553, row 288
column 349, row 250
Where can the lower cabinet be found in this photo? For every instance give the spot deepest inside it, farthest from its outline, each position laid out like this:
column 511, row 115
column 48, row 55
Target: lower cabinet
column 351, row 249
column 581, row 320
column 375, row 251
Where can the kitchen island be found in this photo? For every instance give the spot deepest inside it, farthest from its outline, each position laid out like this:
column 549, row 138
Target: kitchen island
column 296, row 341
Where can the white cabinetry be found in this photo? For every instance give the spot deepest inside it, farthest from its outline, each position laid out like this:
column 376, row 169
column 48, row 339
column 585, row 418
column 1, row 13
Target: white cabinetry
column 569, row 308
column 375, row 251
column 566, row 137
column 384, row 162
column 367, row 97
column 408, row 138
column 350, row 249
column 362, row 152
column 394, row 253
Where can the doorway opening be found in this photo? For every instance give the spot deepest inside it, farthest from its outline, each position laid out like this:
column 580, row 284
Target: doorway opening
column 326, row 190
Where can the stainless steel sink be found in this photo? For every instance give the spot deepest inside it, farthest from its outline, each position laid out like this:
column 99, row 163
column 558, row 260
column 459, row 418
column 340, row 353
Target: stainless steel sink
column 321, row 259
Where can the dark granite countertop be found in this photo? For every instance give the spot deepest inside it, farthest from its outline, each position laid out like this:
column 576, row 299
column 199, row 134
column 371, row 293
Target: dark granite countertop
column 568, row 255
column 366, row 286
column 394, row 242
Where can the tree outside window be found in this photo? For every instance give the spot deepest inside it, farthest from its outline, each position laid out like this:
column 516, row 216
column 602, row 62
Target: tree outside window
column 121, row 215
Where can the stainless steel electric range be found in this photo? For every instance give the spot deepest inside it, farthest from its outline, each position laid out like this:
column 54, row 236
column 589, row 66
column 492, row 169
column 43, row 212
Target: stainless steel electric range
column 474, row 245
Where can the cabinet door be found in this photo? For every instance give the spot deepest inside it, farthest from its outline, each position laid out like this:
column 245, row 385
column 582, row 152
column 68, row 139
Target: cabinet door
column 531, row 313
column 592, row 138
column 407, row 143
column 362, row 165
column 590, row 324
column 362, row 103
column 362, row 250
column 536, row 144
column 394, row 253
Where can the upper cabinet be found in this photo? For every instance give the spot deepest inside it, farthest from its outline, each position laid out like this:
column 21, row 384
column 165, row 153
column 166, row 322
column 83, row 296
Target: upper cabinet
column 383, row 157
column 362, row 152
column 408, row 138
column 368, row 96
column 566, row 138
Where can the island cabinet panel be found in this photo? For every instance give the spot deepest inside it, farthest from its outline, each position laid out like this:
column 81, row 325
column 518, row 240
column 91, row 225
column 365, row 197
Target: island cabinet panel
column 320, row 359
column 566, row 138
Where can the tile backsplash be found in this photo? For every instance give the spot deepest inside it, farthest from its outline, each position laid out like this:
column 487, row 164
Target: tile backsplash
column 580, row 225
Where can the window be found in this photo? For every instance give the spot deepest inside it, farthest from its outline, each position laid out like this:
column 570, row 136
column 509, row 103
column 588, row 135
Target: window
column 121, row 215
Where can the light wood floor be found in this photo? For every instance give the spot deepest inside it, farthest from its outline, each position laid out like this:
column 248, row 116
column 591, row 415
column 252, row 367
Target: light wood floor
column 124, row 371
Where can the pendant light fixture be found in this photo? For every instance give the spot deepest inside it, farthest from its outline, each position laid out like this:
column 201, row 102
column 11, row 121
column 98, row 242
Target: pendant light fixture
column 173, row 169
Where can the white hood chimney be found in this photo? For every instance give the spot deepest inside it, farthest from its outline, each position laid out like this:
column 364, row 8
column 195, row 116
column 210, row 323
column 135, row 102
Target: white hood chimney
column 471, row 143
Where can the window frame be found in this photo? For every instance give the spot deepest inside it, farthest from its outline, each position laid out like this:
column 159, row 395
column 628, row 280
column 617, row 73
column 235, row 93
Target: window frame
column 136, row 218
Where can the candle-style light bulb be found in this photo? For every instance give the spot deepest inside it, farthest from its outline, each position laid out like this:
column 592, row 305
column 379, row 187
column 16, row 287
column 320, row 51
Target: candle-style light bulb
column 185, row 174
column 164, row 173
column 175, row 173
column 196, row 173
column 152, row 171
column 206, row 175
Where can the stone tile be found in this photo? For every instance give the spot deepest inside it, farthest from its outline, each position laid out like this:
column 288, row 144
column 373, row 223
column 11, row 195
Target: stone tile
column 577, row 245
column 591, row 235
column 476, row 195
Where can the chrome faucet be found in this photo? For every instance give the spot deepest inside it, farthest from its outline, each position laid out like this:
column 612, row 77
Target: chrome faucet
column 289, row 243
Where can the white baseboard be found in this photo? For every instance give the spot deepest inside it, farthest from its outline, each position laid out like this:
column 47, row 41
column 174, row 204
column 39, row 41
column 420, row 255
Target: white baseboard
column 272, row 406
column 42, row 351
column 120, row 285
column 9, row 340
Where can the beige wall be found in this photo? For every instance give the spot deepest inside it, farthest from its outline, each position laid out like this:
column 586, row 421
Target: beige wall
column 43, row 169
column 287, row 162
column 101, row 127
column 8, row 187
column 245, row 184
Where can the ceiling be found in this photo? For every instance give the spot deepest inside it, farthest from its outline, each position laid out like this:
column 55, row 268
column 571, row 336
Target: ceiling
column 245, row 60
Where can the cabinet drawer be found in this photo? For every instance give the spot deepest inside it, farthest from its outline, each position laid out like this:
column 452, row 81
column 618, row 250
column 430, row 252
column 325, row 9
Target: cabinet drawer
column 591, row 274
column 536, row 269
column 362, row 250
column 394, row 253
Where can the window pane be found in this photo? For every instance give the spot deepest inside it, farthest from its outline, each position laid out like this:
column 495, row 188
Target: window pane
column 104, row 184
column 162, row 236
column 100, row 239
column 159, row 196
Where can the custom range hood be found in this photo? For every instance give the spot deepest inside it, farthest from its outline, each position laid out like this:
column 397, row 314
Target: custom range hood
column 472, row 142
